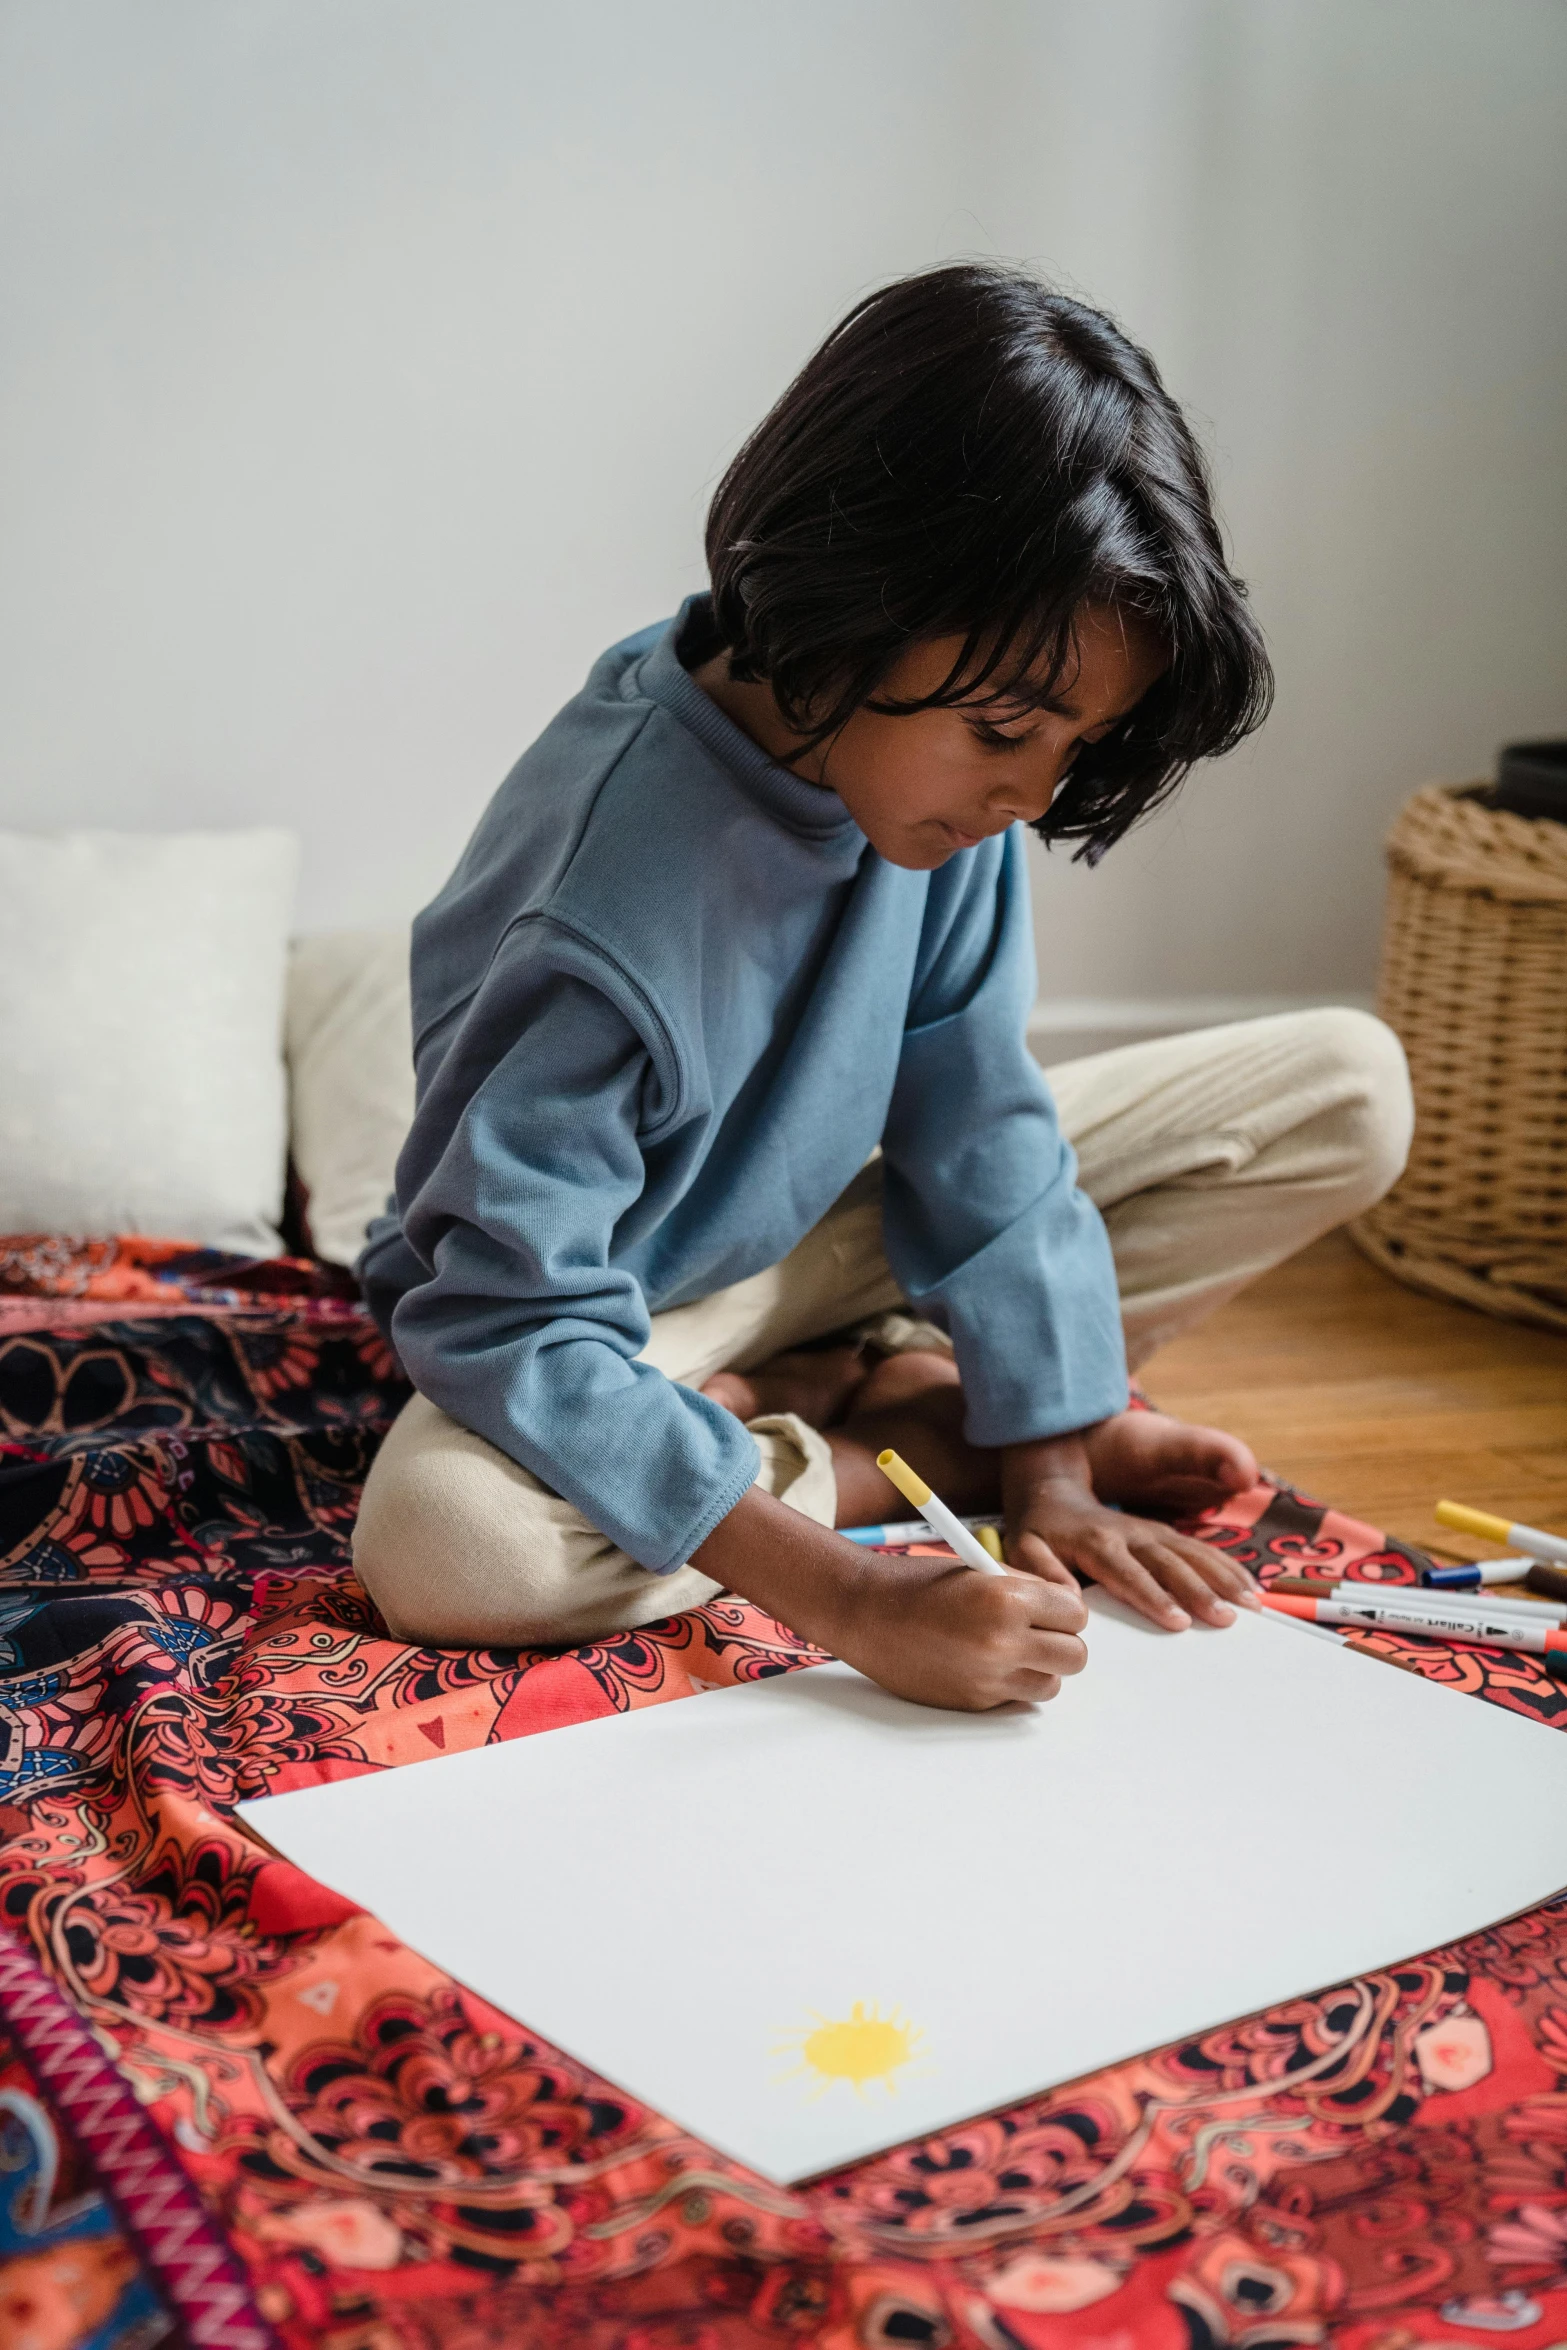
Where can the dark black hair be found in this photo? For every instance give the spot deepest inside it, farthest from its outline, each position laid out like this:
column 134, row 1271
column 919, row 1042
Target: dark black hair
column 971, row 454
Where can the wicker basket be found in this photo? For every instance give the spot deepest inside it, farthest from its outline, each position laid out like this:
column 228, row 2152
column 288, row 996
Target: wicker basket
column 1474, row 979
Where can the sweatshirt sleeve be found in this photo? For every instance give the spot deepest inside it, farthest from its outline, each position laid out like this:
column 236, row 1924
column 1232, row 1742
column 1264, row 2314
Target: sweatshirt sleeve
column 521, row 1329
column 984, row 1223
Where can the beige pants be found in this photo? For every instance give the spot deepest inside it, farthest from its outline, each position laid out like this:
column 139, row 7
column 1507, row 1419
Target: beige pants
column 1211, row 1156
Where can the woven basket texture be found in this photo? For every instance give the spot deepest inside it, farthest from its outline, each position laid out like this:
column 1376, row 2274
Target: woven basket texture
column 1474, row 980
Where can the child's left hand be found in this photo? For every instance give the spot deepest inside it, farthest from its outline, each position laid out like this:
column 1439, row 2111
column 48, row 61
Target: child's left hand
column 1059, row 1523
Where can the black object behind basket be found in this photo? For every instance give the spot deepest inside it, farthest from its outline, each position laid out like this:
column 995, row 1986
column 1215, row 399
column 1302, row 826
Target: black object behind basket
column 1531, row 780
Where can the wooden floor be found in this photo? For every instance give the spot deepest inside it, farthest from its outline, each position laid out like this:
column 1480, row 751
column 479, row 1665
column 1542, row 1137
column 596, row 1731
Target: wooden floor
column 1366, row 1394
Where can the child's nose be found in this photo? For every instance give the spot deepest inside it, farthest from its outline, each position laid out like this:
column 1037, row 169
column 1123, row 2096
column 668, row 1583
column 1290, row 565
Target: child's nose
column 1029, row 798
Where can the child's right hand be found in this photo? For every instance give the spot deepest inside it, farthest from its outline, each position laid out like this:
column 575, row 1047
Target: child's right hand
column 947, row 1635
column 925, row 1628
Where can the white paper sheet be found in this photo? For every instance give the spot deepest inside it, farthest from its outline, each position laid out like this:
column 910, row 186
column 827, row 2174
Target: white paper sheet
column 808, row 1920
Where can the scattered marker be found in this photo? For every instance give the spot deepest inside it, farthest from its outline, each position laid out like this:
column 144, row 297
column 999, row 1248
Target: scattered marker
column 906, row 1530
column 1528, row 1538
column 1385, row 1614
column 1478, row 1576
column 1413, row 1597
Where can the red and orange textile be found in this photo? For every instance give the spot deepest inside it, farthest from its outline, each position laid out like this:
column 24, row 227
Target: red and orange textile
column 234, row 2111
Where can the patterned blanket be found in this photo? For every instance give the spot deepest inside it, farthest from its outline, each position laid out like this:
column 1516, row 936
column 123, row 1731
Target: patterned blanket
column 235, row 2111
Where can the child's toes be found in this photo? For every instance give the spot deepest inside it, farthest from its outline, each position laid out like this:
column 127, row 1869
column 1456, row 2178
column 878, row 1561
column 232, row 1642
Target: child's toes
column 815, row 1383
column 1230, row 1463
column 737, row 1395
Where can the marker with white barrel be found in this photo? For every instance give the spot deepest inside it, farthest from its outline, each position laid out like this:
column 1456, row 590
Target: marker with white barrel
column 905, row 1530
column 945, row 1523
column 1478, row 1576
column 1470, row 1606
column 1476, row 1629
column 1526, row 1538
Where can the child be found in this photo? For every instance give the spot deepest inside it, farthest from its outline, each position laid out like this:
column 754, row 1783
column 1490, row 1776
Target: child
column 731, row 1165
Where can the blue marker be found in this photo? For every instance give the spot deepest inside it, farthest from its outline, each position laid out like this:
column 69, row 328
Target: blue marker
column 911, row 1530
column 1473, row 1578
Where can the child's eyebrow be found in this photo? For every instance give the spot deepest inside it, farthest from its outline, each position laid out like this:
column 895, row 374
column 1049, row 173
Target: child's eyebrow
column 1018, row 702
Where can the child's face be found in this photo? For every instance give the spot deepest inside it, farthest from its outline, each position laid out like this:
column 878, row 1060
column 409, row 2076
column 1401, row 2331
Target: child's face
column 926, row 785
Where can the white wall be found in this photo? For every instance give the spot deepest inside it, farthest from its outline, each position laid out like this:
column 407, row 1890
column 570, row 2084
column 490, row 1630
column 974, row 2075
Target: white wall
column 371, row 362
column 1342, row 227
column 368, row 363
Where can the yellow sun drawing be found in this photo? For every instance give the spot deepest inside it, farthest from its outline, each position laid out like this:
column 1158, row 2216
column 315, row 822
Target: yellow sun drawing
column 862, row 2047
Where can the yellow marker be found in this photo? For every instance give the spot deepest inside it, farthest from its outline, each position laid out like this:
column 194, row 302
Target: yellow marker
column 892, row 1465
column 1528, row 1539
column 937, row 1516
column 990, row 1540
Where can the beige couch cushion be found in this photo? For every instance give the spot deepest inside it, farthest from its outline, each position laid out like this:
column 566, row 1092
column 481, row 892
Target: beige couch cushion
column 141, row 1018
column 350, row 1076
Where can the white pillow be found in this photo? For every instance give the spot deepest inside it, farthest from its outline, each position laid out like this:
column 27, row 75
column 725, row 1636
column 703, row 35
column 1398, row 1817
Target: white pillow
column 141, row 1016
column 351, row 1078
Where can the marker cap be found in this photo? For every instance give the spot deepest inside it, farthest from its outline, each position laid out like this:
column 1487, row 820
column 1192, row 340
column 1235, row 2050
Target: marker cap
column 914, row 1489
column 1464, row 1520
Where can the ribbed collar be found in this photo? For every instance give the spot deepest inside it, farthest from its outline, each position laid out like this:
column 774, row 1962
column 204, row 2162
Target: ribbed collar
column 807, row 809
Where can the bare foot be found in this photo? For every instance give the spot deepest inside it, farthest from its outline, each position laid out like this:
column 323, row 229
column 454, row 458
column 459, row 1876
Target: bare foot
column 1146, row 1460
column 897, row 1378
column 913, row 1404
column 816, row 1383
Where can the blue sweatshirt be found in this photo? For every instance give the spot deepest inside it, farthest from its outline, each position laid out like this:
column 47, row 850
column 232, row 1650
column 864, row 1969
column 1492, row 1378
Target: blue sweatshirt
column 668, row 1004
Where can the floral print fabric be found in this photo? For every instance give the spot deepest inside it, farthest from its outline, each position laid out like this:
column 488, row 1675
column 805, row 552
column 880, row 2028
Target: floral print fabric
column 383, row 2162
